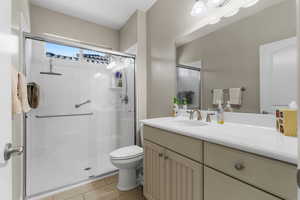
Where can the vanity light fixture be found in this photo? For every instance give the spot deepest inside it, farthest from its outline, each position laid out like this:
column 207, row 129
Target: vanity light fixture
column 202, row 7
column 215, row 3
column 199, row 8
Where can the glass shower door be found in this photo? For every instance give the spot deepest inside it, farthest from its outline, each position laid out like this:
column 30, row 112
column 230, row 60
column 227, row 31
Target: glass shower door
column 57, row 145
column 113, row 102
column 85, row 111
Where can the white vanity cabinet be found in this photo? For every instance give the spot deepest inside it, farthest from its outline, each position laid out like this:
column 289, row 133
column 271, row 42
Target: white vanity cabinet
column 178, row 167
column 170, row 176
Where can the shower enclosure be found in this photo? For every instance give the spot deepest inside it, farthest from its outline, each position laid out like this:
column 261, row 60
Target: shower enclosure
column 85, row 100
column 189, row 86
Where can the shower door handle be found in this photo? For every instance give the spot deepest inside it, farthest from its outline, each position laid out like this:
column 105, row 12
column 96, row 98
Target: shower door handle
column 10, row 151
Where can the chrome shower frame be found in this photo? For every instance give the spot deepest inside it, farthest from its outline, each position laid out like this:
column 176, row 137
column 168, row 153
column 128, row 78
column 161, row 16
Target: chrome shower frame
column 79, row 45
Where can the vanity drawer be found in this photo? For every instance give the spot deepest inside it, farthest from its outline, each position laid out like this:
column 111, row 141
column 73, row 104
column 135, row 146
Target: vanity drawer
column 218, row 186
column 270, row 175
column 189, row 147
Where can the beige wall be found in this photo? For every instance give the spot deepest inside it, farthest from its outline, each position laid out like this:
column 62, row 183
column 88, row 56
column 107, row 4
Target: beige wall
column 166, row 20
column 47, row 21
column 141, row 67
column 133, row 35
column 230, row 56
column 128, row 33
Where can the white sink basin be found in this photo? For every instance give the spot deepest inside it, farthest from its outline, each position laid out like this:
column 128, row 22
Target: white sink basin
column 189, row 123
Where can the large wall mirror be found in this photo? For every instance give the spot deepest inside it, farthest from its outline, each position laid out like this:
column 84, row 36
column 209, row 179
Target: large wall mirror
column 249, row 63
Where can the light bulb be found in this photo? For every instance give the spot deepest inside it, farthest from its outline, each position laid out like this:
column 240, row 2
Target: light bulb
column 249, row 3
column 215, row 3
column 214, row 20
column 232, row 13
column 198, row 8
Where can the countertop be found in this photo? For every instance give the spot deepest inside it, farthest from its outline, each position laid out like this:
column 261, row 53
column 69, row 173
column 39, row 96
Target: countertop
column 258, row 140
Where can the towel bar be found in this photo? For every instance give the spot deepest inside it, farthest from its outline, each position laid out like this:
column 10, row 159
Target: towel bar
column 243, row 89
column 67, row 115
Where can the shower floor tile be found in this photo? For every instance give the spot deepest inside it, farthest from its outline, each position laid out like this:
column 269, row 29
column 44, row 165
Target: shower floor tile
column 104, row 189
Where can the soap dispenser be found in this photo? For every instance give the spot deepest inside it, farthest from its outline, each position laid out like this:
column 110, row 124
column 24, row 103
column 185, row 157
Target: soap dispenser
column 228, row 107
column 220, row 114
column 175, row 107
column 185, row 107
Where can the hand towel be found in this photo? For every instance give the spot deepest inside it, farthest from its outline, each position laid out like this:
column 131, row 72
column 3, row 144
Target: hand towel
column 217, row 96
column 235, row 96
column 22, row 87
column 16, row 103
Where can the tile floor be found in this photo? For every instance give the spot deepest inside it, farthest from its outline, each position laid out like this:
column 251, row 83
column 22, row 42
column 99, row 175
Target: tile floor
column 104, row 189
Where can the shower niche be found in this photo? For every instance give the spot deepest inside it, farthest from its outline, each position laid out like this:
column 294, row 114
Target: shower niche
column 67, row 144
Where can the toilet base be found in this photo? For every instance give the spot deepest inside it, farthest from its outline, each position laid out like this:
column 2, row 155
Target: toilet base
column 127, row 179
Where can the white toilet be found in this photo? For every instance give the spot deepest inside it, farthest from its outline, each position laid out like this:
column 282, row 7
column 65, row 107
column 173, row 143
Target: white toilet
column 127, row 159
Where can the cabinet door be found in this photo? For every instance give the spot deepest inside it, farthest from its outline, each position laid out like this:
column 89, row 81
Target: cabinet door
column 183, row 178
column 153, row 171
column 219, row 186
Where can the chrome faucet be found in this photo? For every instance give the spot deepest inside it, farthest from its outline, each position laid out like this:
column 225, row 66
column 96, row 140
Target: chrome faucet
column 192, row 114
column 208, row 117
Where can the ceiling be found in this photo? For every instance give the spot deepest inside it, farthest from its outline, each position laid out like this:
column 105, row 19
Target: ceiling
column 110, row 13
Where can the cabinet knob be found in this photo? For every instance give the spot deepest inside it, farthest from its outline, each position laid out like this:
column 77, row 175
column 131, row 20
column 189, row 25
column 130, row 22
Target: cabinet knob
column 239, row 166
column 160, row 154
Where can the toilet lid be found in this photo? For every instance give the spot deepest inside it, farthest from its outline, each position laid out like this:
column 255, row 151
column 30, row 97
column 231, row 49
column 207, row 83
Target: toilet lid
column 127, row 152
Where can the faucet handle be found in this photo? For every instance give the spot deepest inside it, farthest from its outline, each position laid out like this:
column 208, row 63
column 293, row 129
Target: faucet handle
column 208, row 116
column 191, row 113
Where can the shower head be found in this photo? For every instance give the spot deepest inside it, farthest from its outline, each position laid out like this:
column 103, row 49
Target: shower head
column 51, row 70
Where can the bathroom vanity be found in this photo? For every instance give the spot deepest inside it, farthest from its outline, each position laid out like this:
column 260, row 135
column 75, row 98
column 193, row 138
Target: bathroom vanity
column 191, row 160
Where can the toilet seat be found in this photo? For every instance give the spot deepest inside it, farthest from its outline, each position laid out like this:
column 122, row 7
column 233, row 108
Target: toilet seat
column 126, row 153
